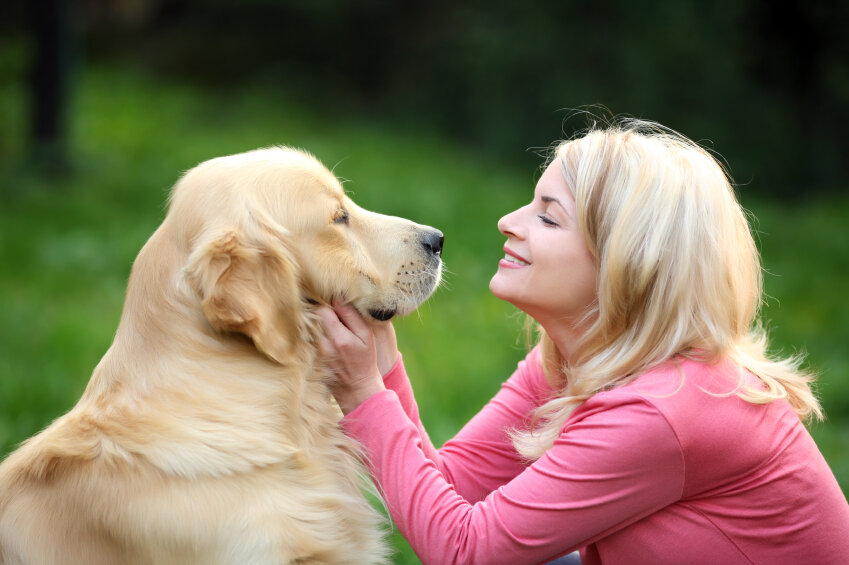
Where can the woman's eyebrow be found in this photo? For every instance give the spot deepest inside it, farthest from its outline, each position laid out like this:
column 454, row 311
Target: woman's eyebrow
column 549, row 199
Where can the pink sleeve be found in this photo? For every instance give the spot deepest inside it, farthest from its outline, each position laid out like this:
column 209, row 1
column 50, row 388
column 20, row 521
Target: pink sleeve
column 481, row 457
column 396, row 380
column 616, row 461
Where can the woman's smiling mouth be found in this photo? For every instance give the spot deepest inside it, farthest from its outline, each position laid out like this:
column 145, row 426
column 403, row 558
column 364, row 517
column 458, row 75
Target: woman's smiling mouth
column 512, row 261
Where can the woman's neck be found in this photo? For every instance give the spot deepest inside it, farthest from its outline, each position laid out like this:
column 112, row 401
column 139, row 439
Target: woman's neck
column 565, row 334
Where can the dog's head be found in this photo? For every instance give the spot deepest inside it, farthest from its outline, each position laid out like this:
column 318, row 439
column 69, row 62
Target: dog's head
column 270, row 231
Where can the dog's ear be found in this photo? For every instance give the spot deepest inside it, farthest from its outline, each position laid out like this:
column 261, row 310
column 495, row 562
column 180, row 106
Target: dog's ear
column 249, row 287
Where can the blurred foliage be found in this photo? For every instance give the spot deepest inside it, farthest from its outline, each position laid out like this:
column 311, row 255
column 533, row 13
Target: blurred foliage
column 767, row 84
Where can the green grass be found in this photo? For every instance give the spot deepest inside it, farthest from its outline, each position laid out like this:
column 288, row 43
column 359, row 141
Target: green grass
column 67, row 244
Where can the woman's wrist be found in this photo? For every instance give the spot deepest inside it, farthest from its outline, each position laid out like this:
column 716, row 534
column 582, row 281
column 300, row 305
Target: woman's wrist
column 386, row 346
column 393, row 367
column 350, row 398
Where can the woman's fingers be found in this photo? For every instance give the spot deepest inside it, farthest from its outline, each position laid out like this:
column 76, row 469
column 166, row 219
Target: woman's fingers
column 341, row 326
column 349, row 351
column 332, row 326
column 352, row 320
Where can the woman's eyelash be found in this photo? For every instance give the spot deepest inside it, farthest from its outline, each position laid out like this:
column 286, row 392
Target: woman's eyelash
column 546, row 220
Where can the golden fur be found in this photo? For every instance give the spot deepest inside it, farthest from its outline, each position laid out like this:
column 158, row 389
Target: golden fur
column 207, row 434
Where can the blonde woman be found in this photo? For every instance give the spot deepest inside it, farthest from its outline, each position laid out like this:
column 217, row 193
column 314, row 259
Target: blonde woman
column 649, row 425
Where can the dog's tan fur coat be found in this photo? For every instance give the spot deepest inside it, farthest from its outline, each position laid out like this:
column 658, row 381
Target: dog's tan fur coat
column 207, row 434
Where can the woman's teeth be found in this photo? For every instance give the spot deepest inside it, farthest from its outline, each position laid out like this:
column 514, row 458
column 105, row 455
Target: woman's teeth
column 515, row 260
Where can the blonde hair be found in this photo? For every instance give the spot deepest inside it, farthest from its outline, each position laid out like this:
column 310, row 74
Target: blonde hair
column 679, row 274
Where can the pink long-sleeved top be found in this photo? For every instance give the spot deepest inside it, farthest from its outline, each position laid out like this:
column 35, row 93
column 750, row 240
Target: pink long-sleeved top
column 671, row 468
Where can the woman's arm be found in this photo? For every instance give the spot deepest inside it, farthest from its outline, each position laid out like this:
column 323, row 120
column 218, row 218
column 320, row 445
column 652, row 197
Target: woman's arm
column 397, row 381
column 616, row 461
column 481, row 457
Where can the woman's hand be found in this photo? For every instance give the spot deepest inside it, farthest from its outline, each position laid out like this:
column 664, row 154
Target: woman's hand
column 350, row 350
column 386, row 345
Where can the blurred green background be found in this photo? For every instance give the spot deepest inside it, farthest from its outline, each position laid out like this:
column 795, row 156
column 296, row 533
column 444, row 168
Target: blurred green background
column 431, row 110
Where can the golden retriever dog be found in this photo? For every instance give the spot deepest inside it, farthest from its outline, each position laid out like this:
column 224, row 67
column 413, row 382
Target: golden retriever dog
column 207, row 434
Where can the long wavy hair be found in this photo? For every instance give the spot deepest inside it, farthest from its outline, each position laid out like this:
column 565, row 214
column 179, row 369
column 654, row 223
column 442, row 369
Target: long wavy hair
column 679, row 274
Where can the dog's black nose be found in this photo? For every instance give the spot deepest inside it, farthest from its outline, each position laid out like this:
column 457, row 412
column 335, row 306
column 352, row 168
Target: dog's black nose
column 432, row 241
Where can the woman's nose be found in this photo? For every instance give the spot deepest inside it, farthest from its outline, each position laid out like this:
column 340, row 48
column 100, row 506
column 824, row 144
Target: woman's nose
column 507, row 224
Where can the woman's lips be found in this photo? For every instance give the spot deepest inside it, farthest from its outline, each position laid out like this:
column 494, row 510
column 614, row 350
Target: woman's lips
column 512, row 260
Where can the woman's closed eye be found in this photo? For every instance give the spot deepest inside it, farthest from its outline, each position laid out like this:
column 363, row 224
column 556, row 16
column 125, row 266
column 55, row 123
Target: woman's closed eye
column 547, row 221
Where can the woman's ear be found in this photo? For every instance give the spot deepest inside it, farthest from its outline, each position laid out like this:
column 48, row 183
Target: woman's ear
column 249, row 287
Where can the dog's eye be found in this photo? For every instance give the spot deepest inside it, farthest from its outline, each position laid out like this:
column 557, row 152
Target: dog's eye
column 341, row 216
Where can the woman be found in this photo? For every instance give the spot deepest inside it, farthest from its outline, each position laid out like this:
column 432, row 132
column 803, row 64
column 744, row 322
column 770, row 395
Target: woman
column 648, row 425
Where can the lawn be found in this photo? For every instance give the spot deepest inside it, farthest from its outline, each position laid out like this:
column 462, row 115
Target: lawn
column 67, row 244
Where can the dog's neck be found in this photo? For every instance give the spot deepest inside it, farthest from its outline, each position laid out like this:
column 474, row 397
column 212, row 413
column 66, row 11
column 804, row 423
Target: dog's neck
column 165, row 353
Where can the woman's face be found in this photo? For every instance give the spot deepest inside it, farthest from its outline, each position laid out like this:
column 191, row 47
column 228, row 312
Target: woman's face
column 547, row 270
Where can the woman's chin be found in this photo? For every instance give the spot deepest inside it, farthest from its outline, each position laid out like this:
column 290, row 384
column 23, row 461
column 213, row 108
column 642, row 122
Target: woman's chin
column 499, row 290
column 495, row 287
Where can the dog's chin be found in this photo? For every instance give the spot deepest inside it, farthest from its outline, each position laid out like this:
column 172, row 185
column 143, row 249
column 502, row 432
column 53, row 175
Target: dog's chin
column 375, row 310
column 385, row 312
column 382, row 314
